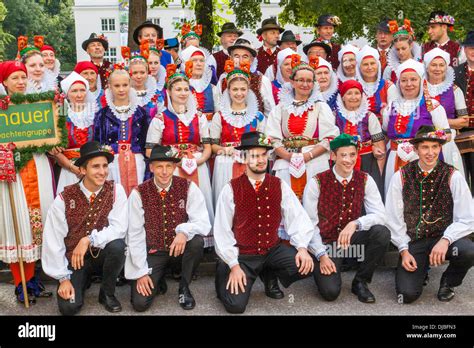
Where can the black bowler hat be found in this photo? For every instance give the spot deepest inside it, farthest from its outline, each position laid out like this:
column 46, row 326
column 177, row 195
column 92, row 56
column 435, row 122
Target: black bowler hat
column 288, row 36
column 230, row 27
column 147, row 24
column 269, row 24
column 328, row 19
column 96, row 38
column 254, row 139
column 469, row 41
column 316, row 42
column 429, row 133
column 164, row 153
column 383, row 26
column 93, row 149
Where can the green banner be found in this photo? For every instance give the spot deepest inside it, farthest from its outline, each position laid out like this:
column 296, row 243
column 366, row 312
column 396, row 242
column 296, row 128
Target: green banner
column 27, row 122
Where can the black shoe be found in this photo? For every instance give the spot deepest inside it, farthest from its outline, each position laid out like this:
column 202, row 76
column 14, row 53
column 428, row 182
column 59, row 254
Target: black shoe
column 272, row 289
column 162, row 286
column 186, row 299
column 110, row 302
column 36, row 287
column 21, row 297
column 362, row 291
column 445, row 292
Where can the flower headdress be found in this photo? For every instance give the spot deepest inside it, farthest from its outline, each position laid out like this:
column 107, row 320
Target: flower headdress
column 232, row 71
column 173, row 73
column 24, row 48
column 187, row 32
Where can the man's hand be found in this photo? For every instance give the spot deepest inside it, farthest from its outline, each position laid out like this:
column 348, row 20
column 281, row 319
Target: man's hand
column 178, row 245
column 408, row 261
column 78, row 253
column 438, row 253
column 145, row 285
column 304, row 261
column 66, row 290
column 237, row 279
column 326, row 265
column 345, row 236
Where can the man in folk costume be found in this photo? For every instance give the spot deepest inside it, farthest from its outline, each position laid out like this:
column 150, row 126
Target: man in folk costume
column 248, row 215
column 85, row 231
column 269, row 34
column 384, row 38
column 95, row 46
column 438, row 25
column 464, row 79
column 228, row 34
column 172, row 47
column 325, row 29
column 346, row 209
column 168, row 220
column 430, row 214
column 243, row 51
column 148, row 31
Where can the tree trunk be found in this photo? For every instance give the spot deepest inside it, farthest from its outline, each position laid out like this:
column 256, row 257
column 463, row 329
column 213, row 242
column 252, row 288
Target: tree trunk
column 203, row 12
column 136, row 16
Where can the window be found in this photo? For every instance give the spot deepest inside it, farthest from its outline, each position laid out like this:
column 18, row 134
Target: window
column 111, row 54
column 154, row 20
column 108, row 24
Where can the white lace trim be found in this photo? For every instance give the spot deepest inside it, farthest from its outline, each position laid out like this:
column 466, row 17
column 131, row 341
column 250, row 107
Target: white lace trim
column 122, row 116
column 201, row 84
column 406, row 107
column 57, row 68
column 329, row 93
column 287, row 98
column 150, row 85
column 392, row 59
column 435, row 90
column 239, row 121
column 49, row 82
column 84, row 118
column 188, row 116
column 354, row 116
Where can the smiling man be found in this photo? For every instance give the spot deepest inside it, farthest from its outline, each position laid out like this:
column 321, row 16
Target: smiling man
column 85, row 230
column 430, row 216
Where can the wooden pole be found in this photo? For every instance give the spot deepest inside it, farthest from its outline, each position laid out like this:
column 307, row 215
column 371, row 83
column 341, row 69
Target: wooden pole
column 18, row 245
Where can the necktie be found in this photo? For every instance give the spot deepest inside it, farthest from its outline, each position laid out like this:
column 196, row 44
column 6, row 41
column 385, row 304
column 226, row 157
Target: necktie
column 344, row 183
column 258, row 183
column 425, row 174
column 92, row 198
column 163, row 194
column 383, row 59
column 269, row 51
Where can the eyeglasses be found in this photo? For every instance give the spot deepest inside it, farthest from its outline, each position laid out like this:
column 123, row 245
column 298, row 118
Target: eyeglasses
column 303, row 81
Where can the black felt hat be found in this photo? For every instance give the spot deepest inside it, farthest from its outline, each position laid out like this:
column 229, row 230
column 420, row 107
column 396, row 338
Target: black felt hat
column 93, row 149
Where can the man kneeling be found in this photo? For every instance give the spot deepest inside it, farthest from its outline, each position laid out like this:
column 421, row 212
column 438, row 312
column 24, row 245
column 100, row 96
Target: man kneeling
column 84, row 232
column 168, row 219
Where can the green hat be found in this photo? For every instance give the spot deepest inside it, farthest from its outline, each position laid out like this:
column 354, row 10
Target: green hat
column 344, row 140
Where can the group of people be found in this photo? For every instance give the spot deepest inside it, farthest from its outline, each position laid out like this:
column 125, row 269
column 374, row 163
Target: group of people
column 276, row 159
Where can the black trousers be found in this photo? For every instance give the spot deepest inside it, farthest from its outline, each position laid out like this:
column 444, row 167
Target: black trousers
column 468, row 159
column 280, row 261
column 160, row 261
column 110, row 261
column 374, row 243
column 409, row 285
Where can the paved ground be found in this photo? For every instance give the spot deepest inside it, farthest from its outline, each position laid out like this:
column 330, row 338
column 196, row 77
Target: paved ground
column 300, row 299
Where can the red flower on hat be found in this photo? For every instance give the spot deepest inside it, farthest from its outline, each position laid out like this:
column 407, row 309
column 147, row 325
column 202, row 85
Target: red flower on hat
column 38, row 41
column 125, row 52
column 393, row 26
column 245, row 67
column 295, row 60
column 170, row 70
column 186, row 28
column 188, row 69
column 198, row 29
column 160, row 43
column 314, row 62
column 145, row 49
column 22, row 42
column 229, row 66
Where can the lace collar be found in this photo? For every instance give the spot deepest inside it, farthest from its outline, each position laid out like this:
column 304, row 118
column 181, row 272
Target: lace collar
column 405, row 107
column 150, row 90
column 128, row 111
column 199, row 85
column 332, row 90
column 48, row 83
column 393, row 61
column 57, row 68
column 435, row 90
column 84, row 118
column 191, row 112
column 287, row 98
column 354, row 116
column 249, row 114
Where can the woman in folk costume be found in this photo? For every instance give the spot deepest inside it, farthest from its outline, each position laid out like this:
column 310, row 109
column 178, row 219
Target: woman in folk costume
column 404, row 47
column 347, row 67
column 440, row 86
column 40, row 79
column 195, row 60
column 238, row 114
column 354, row 118
column 143, row 83
column 327, row 81
column 123, row 125
column 80, row 107
column 181, row 126
column 301, row 127
column 369, row 73
column 157, row 71
column 50, row 60
column 408, row 112
column 89, row 71
column 283, row 72
column 33, row 195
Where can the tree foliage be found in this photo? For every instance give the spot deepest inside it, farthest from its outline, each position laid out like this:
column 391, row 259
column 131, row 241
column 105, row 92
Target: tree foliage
column 5, row 38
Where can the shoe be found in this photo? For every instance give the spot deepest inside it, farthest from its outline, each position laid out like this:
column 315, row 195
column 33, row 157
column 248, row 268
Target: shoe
column 162, row 286
column 110, row 302
column 37, row 288
column 21, row 297
column 362, row 291
column 272, row 289
column 445, row 292
column 186, row 299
